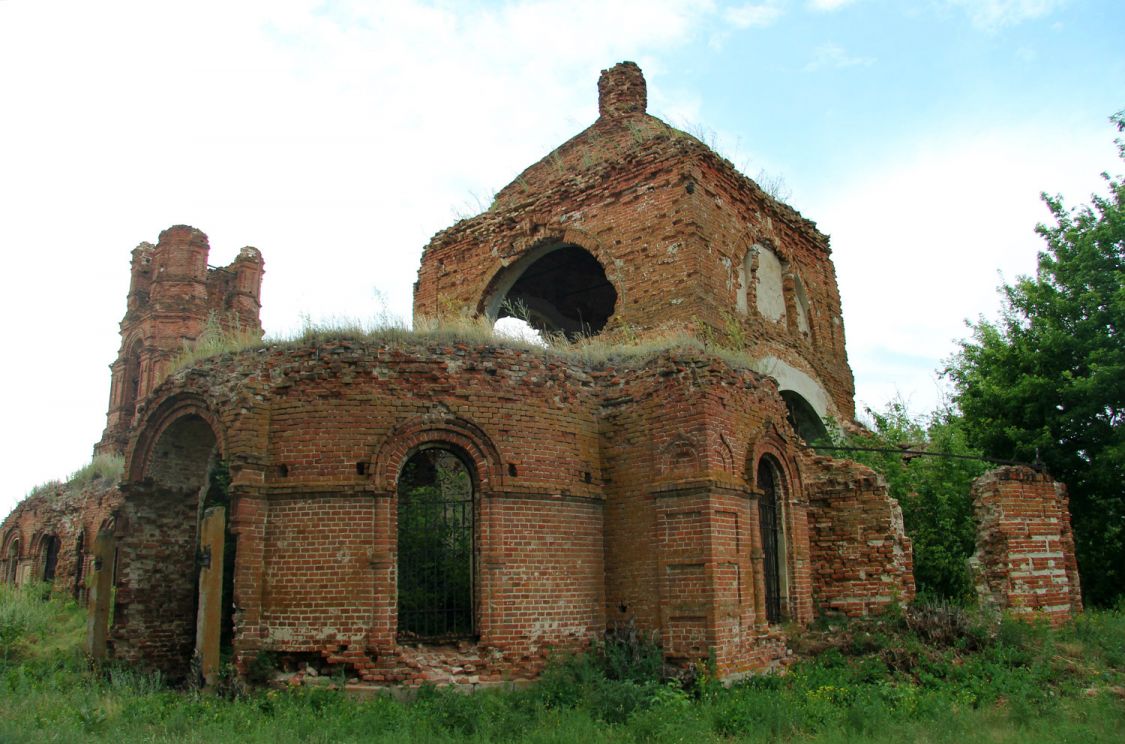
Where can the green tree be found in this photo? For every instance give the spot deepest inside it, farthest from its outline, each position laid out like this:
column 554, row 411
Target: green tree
column 937, row 510
column 1048, row 379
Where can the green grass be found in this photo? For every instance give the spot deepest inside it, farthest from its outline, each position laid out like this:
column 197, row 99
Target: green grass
column 869, row 682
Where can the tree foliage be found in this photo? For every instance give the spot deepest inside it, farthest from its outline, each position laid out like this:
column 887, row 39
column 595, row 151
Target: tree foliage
column 933, row 492
column 1047, row 380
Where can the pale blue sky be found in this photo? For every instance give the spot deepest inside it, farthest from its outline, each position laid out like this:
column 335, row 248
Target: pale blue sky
column 338, row 137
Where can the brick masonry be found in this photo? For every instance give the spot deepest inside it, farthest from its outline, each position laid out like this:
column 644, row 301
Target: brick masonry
column 72, row 514
column 173, row 295
column 609, row 493
column 1025, row 548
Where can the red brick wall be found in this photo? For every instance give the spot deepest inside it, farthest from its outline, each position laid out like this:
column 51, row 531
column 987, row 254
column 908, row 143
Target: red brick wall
column 154, row 607
column 70, row 512
column 861, row 557
column 605, row 494
column 669, row 221
column 1025, row 548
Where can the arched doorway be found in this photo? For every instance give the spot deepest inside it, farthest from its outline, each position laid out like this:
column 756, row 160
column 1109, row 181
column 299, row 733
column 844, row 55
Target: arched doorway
column 172, row 555
column 437, row 547
column 556, row 288
column 771, row 498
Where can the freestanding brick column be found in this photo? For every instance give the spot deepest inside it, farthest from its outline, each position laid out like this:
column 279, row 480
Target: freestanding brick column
column 1025, row 561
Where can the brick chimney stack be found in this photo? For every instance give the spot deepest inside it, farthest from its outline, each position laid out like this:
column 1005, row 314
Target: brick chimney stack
column 622, row 91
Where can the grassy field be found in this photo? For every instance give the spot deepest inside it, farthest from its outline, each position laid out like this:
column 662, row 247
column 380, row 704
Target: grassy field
column 934, row 675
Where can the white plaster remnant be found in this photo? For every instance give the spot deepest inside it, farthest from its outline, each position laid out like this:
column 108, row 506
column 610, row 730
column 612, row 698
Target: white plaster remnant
column 769, row 297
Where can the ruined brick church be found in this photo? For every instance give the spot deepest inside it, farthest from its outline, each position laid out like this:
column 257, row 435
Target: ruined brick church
column 433, row 509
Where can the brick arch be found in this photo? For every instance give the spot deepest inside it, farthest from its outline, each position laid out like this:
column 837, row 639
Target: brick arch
column 9, row 564
column 429, row 431
column 681, row 455
column 771, row 442
column 156, row 421
column 13, row 536
column 528, row 250
column 36, row 543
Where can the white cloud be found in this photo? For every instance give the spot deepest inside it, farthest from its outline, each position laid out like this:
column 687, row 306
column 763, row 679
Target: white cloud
column 828, row 5
column 991, row 15
column 923, row 235
column 835, row 56
column 754, row 15
column 336, row 138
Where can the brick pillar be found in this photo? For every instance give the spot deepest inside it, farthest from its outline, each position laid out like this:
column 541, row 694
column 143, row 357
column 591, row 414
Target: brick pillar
column 248, row 521
column 1025, row 561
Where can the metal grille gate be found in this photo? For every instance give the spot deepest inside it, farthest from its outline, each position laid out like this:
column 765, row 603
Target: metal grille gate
column 435, row 549
column 769, row 523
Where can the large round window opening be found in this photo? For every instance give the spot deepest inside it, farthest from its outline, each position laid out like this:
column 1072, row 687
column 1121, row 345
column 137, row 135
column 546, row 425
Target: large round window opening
column 803, row 417
column 559, row 288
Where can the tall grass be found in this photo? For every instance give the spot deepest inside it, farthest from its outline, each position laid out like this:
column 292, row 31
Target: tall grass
column 34, row 623
column 871, row 681
column 104, row 468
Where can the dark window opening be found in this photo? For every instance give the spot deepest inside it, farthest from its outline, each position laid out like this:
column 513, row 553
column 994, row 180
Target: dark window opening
column 769, row 521
column 803, row 418
column 80, row 567
column 50, row 557
column 566, row 291
column 132, row 381
column 436, row 548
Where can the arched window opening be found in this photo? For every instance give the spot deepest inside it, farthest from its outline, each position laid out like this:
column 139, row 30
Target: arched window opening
column 436, row 548
column 50, row 553
column 12, row 561
column 132, row 382
column 803, row 418
column 564, row 290
column 801, row 302
column 773, row 544
column 768, row 293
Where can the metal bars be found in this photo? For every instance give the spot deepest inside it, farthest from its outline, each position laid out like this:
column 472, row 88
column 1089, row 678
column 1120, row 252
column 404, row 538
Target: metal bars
column 769, row 522
column 436, row 530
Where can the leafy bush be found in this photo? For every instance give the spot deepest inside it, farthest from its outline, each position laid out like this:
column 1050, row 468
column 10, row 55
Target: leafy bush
column 933, row 491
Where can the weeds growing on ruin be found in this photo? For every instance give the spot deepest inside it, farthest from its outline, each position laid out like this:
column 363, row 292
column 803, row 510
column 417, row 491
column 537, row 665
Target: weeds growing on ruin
column 104, row 468
column 622, row 343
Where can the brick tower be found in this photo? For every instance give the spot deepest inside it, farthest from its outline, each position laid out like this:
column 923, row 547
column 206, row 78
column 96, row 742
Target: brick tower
column 173, row 295
column 635, row 226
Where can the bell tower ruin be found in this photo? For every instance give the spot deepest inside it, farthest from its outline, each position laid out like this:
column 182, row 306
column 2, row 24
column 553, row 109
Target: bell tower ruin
column 173, row 296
